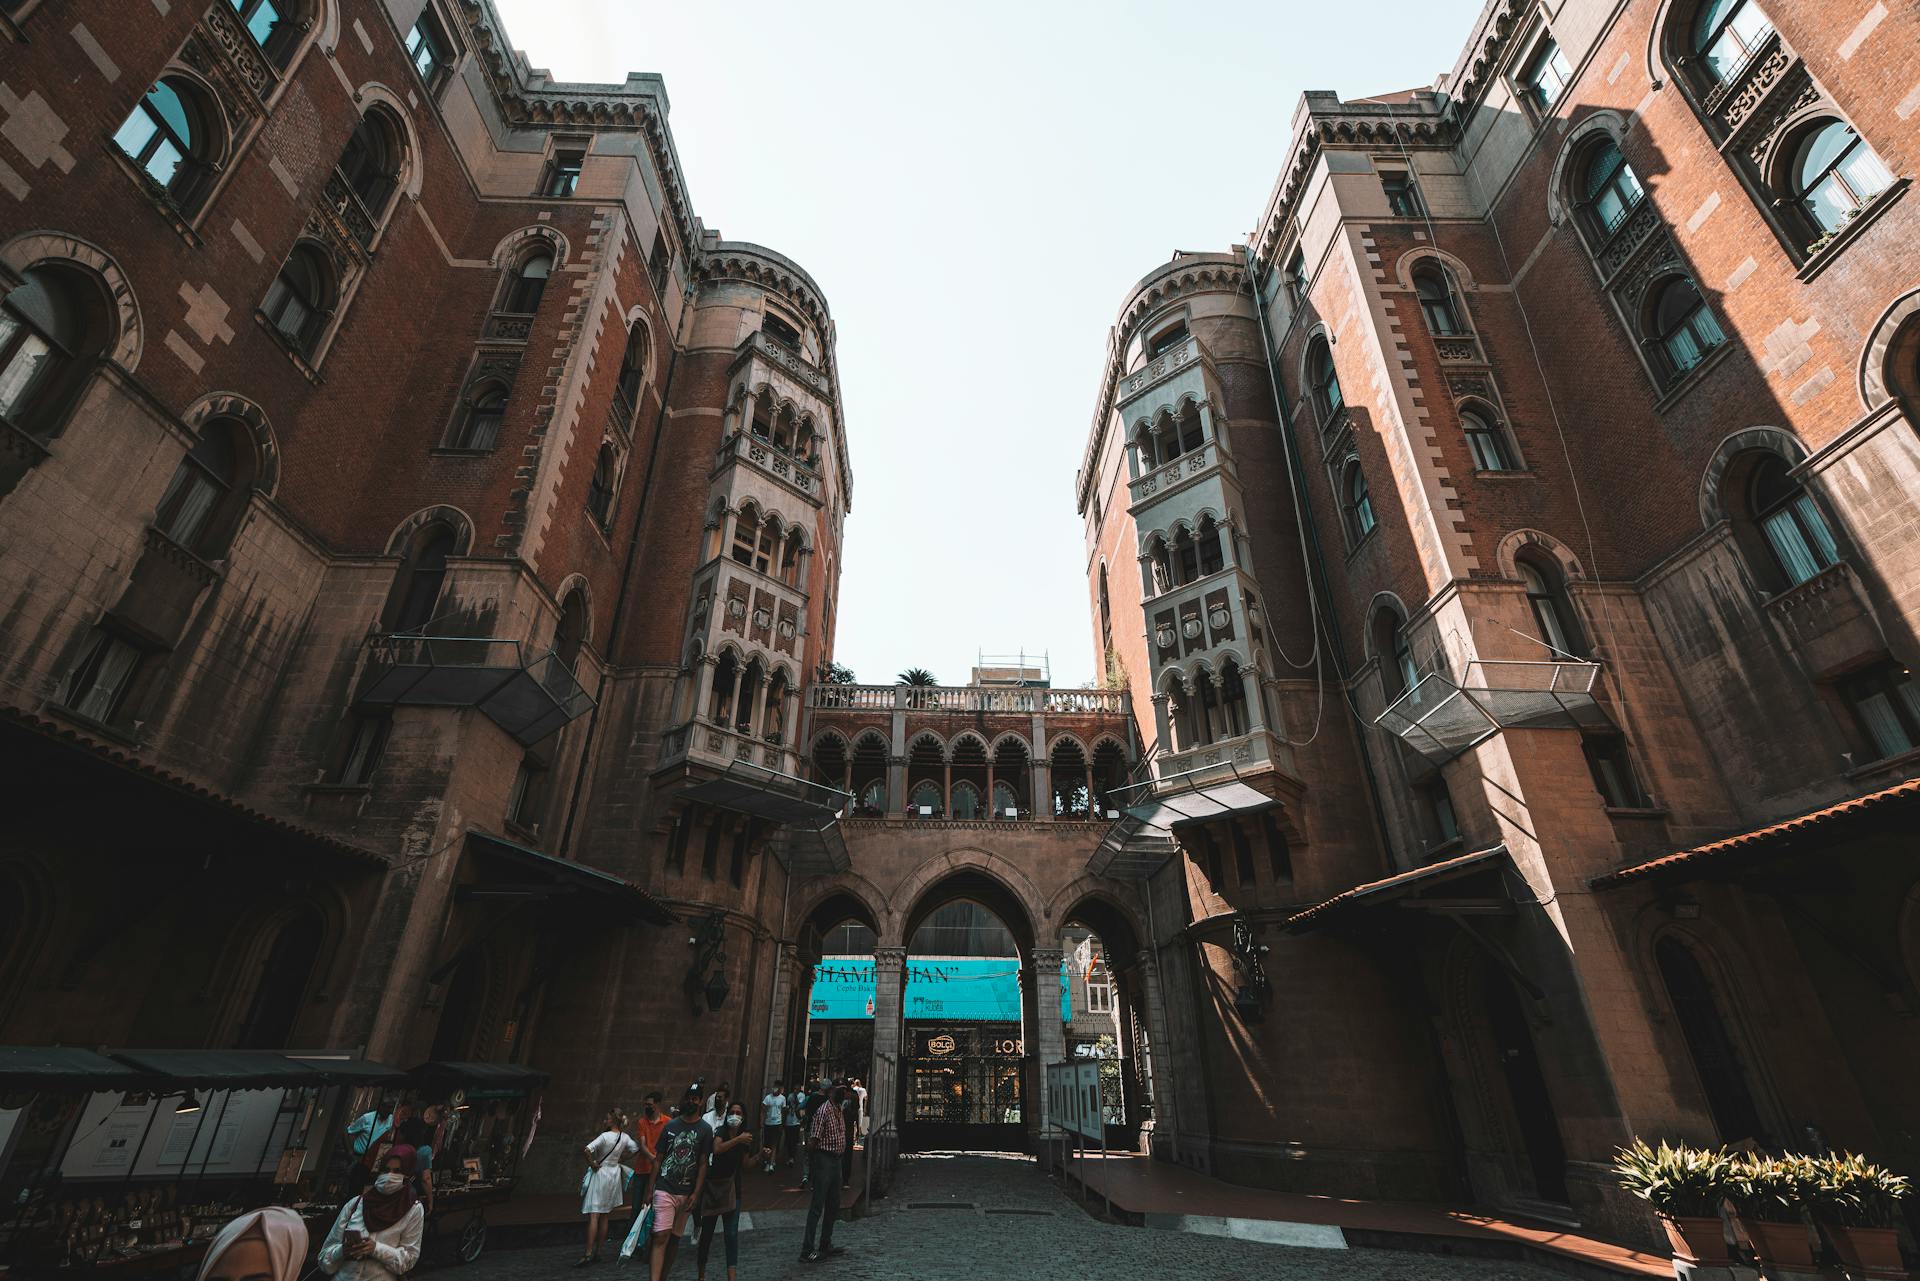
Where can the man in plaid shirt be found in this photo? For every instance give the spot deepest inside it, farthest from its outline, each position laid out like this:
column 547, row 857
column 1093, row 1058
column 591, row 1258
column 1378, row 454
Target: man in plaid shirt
column 826, row 1149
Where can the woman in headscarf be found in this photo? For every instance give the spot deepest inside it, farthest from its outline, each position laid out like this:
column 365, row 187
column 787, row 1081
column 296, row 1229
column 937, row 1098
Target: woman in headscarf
column 377, row 1236
column 261, row 1245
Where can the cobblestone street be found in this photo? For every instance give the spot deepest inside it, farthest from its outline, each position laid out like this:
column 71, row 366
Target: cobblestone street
column 977, row 1218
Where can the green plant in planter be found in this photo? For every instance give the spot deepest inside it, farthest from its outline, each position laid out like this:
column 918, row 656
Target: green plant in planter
column 1678, row 1182
column 1855, row 1193
column 1775, row 1189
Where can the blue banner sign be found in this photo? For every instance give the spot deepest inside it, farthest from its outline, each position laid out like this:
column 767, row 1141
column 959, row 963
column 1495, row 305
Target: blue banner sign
column 963, row 988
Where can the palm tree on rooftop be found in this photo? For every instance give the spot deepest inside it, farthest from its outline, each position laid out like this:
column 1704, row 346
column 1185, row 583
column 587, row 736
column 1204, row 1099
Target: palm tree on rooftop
column 917, row 676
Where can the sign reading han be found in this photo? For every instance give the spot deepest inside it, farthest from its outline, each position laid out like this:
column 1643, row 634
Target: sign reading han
column 984, row 989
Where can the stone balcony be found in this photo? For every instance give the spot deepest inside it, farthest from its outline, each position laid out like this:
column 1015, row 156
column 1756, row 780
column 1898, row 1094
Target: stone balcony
column 782, row 465
column 969, row 698
column 1177, row 476
column 1238, row 756
column 701, row 742
column 1828, row 622
column 751, row 608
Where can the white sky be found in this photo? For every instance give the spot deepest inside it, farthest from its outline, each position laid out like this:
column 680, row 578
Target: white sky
column 976, row 187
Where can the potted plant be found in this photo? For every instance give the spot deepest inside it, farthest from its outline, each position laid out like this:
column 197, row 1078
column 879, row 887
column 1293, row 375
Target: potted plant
column 1685, row 1187
column 1855, row 1202
column 1775, row 1196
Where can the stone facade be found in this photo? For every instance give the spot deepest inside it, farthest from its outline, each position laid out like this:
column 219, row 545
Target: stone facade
column 1566, row 443
column 409, row 461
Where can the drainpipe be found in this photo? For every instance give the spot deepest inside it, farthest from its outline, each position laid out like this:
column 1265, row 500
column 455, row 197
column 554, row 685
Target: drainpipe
column 626, row 585
column 1316, row 558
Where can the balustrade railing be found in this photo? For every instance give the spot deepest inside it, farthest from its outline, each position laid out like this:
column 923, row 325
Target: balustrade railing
column 767, row 456
column 969, row 698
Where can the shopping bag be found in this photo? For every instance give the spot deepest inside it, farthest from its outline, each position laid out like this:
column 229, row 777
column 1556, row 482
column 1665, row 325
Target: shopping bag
column 642, row 1230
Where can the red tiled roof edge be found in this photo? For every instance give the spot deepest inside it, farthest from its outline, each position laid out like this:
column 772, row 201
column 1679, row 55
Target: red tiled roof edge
column 133, row 764
column 1761, row 837
column 1418, row 873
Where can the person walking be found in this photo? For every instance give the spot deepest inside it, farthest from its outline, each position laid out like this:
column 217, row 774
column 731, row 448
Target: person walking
column 377, row 1236
column 604, row 1187
column 773, row 1113
column 719, row 1202
column 364, row 1135
column 645, row 1129
column 792, row 1140
column 679, row 1175
column 860, row 1092
column 826, row 1148
column 804, row 1100
column 850, row 1114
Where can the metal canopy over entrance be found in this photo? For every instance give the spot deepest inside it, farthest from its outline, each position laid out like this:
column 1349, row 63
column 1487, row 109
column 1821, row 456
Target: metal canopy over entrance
column 1139, row 844
column 811, row 844
column 528, row 698
column 1441, row 719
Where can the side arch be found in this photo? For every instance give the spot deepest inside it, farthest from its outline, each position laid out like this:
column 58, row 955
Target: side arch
column 1606, row 122
column 962, row 859
column 461, row 523
column 373, row 91
column 30, row 248
column 226, row 404
column 1896, row 333
column 1521, row 540
column 516, row 243
column 1773, row 439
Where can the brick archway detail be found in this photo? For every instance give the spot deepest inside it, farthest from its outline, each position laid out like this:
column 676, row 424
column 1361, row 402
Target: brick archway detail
column 906, row 897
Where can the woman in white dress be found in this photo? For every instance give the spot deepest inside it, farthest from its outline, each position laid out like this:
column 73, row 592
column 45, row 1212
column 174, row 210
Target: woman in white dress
column 604, row 1187
column 377, row 1236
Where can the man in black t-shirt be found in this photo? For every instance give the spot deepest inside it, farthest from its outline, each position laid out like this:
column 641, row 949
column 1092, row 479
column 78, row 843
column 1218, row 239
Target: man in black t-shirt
column 679, row 1174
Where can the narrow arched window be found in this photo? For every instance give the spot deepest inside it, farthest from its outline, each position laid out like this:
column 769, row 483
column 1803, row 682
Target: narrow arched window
column 570, row 631
column 1610, row 190
column 1397, row 671
column 301, row 299
column 746, row 534
column 1212, row 560
column 1681, row 329
column 370, row 165
column 422, row 574
column 1835, row 175
column 1710, row 1045
column 1796, row 532
column 1322, row 380
column 49, row 334
column 1437, row 303
column 600, row 488
column 480, row 417
column 169, row 138
column 200, row 484
column 790, row 558
column 634, row 364
column 527, row 284
column 1186, row 557
column 1552, row 609
column 1725, row 34
column 1487, row 442
column 280, row 985
column 1356, row 502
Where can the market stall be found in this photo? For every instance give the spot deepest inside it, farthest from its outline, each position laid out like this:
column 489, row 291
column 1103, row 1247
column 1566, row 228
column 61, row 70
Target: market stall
column 481, row 1119
column 127, row 1162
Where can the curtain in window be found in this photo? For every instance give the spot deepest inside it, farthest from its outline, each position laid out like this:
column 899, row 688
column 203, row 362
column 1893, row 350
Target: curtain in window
column 1800, row 538
column 114, row 665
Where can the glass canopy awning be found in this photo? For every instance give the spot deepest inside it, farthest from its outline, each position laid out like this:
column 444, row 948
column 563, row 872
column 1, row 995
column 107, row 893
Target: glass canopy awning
column 1441, row 718
column 1142, row 840
column 529, row 697
column 811, row 843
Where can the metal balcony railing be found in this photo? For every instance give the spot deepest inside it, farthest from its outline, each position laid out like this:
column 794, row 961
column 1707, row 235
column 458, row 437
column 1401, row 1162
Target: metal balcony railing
column 526, row 695
column 968, row 698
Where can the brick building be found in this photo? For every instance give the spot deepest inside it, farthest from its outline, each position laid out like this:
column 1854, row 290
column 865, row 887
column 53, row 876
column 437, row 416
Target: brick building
column 395, row 469
column 1528, row 512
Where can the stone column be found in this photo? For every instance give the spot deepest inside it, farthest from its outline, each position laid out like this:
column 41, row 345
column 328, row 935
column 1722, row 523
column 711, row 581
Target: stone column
column 1050, row 1035
column 1256, row 703
column 1040, row 766
column 1166, row 1127
column 1163, row 711
column 758, row 725
column 889, row 1033
column 703, row 701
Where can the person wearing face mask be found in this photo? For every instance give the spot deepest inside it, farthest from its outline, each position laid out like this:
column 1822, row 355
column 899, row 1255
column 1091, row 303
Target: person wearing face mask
column 720, row 1198
column 679, row 1176
column 377, row 1236
column 263, row 1245
column 646, row 1129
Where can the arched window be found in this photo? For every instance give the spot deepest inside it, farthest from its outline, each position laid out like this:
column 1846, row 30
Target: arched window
column 1322, row 381
column 1680, row 328
column 201, row 483
column 1796, row 532
column 1212, row 560
column 300, row 300
column 746, row 534
column 169, row 138
column 600, row 488
column 1355, row 502
column 924, row 800
column 423, row 572
column 726, row 675
column 1487, row 442
column 1609, row 190
column 635, row 362
column 480, row 417
column 51, row 328
column 1437, row 302
column 966, row 801
column 790, row 558
column 1186, row 557
column 1552, row 608
column 1106, row 611
column 1233, row 700
column 1834, row 175
column 527, row 283
column 1709, row 1044
column 281, row 986
column 570, row 631
column 1390, row 644
column 370, row 165
column 1725, row 34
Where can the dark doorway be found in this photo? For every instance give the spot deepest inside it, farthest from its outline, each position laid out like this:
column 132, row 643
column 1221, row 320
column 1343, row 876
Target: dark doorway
column 1722, row 1078
column 1527, row 1088
column 282, row 984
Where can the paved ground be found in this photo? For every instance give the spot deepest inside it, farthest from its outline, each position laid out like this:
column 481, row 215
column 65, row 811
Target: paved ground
column 1051, row 1239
